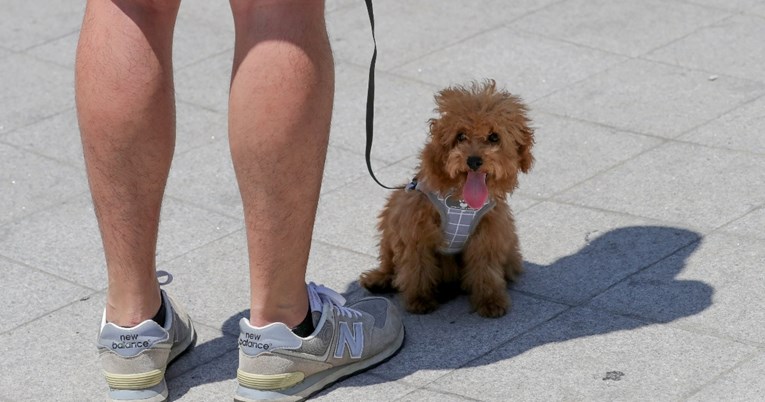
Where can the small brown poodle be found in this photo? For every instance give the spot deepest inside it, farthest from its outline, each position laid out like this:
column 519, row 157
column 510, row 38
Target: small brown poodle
column 451, row 229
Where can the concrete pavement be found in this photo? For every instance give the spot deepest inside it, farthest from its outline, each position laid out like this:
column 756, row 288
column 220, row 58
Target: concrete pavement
column 642, row 223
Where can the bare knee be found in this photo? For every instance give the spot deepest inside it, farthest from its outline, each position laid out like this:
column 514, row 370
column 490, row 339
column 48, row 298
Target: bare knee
column 276, row 11
column 149, row 8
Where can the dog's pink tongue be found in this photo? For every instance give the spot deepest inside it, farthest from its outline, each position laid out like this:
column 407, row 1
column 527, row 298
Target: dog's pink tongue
column 475, row 191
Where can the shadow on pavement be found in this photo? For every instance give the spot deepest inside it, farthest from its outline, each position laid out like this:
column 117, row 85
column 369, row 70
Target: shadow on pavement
column 549, row 306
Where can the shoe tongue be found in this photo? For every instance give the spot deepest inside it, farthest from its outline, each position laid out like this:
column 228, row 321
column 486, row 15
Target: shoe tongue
column 475, row 192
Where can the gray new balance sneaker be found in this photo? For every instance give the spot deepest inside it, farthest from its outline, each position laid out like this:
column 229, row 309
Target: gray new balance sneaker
column 134, row 359
column 276, row 364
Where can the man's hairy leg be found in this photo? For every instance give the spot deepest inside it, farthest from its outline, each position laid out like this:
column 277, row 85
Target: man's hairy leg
column 126, row 111
column 280, row 108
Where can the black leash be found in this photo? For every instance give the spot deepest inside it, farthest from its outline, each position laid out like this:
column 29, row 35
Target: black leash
column 371, row 100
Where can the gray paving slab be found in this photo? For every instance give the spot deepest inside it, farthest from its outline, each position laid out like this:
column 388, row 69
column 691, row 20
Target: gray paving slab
column 685, row 183
column 32, row 89
column 34, row 25
column 526, row 64
column 740, row 384
column 708, row 287
column 56, row 137
column 568, row 152
column 19, row 282
column 213, row 381
column 437, row 343
column 30, row 183
column 365, row 387
column 211, row 92
column 65, row 241
column 425, row 395
column 401, row 116
column 644, row 202
column 590, row 355
column 205, row 177
column 749, row 225
column 350, row 221
column 713, row 48
column 592, row 251
column 200, row 275
column 407, row 30
column 732, row 5
column 60, row 51
column 69, row 336
column 623, row 27
column 203, row 29
column 738, row 130
column 651, row 98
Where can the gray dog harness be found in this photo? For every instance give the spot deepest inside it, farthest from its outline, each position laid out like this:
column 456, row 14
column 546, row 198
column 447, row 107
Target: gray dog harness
column 458, row 220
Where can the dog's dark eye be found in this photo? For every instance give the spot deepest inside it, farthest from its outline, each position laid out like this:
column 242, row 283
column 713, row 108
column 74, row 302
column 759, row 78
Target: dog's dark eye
column 493, row 137
column 461, row 137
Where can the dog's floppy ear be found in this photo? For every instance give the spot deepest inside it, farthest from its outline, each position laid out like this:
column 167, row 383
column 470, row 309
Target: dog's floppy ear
column 524, row 150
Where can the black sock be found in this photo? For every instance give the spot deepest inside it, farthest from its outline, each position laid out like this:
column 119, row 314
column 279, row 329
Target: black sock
column 305, row 328
column 159, row 318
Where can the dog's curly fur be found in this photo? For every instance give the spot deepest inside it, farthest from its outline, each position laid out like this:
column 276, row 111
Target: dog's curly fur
column 410, row 225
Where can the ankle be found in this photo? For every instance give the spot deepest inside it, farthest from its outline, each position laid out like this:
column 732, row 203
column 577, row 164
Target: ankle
column 130, row 311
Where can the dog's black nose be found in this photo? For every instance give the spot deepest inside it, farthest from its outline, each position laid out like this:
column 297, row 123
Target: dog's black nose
column 474, row 162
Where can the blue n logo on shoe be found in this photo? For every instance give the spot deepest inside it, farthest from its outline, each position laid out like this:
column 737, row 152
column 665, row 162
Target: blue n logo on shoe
column 354, row 341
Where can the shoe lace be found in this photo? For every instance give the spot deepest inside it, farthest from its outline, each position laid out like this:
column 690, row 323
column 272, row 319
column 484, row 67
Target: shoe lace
column 328, row 295
column 164, row 274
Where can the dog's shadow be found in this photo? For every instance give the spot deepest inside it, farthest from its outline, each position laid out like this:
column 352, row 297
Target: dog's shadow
column 568, row 299
column 590, row 292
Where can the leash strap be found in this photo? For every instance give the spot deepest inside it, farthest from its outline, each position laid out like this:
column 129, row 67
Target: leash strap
column 371, row 100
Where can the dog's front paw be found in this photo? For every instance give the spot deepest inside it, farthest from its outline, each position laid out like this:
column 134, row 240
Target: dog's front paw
column 377, row 281
column 421, row 305
column 491, row 308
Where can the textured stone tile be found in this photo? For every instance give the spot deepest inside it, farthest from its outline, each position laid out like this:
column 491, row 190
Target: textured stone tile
column 29, row 183
column 452, row 336
column 65, row 240
column 210, row 92
column 402, row 111
column 740, row 384
column 406, row 30
column 60, row 51
column 200, row 276
column 348, row 217
column 527, row 65
column 66, row 337
column 651, row 98
column 740, row 129
column 426, row 395
column 714, row 48
column 625, row 27
column 29, row 294
column 732, row 5
column 211, row 344
column 571, row 254
column 213, row 381
column 569, row 151
column 364, row 387
column 690, row 184
column 749, row 225
column 32, row 90
column 203, row 29
column 57, row 137
column 590, row 355
column 709, row 287
column 39, row 25
column 205, row 176
column 337, row 268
